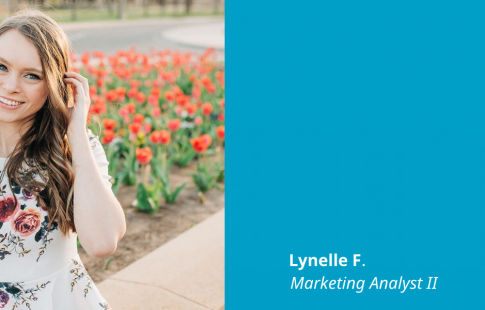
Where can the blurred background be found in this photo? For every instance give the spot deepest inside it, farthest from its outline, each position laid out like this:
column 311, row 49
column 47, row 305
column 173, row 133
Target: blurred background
column 89, row 10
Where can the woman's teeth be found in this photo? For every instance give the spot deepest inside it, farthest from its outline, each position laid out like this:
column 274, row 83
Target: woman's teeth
column 10, row 102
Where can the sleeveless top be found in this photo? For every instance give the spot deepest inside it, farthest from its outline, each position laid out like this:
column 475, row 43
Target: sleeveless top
column 41, row 269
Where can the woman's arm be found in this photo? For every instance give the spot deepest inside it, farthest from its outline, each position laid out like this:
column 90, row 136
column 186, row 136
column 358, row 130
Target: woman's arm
column 99, row 217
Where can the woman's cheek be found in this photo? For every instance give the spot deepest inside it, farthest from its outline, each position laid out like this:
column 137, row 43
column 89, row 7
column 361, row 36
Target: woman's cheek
column 37, row 94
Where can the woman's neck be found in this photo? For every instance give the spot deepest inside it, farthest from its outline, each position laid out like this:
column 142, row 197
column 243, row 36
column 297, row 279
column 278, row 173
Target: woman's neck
column 10, row 134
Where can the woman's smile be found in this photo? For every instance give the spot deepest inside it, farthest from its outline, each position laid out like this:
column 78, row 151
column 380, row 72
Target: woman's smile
column 10, row 101
column 9, row 104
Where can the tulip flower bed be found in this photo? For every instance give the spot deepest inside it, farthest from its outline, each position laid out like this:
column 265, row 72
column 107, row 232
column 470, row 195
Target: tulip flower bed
column 160, row 118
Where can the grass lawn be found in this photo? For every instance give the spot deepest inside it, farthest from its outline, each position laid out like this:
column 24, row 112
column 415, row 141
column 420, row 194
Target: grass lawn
column 94, row 14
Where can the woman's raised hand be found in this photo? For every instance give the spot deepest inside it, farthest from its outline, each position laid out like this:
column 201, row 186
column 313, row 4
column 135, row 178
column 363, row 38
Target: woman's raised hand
column 78, row 114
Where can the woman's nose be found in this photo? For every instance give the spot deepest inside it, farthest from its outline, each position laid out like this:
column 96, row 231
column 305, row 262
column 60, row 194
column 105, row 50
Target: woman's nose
column 11, row 84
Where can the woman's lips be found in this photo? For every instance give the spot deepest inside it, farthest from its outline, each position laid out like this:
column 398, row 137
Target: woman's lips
column 9, row 107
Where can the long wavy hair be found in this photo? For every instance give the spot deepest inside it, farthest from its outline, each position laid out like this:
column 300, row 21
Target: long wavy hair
column 43, row 150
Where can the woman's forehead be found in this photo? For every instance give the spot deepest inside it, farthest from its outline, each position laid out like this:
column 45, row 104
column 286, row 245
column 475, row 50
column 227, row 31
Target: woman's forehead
column 16, row 50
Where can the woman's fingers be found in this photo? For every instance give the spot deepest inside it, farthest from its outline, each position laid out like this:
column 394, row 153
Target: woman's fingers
column 78, row 85
column 82, row 80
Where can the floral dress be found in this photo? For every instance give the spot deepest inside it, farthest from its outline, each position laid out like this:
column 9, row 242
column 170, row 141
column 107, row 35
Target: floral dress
column 40, row 269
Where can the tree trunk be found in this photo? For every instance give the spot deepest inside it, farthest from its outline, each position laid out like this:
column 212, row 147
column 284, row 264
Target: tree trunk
column 109, row 4
column 145, row 8
column 122, row 9
column 74, row 10
column 162, row 7
column 175, row 7
column 188, row 6
column 216, row 6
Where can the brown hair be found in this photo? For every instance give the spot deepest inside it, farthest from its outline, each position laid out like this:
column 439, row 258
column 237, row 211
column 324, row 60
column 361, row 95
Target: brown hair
column 43, row 149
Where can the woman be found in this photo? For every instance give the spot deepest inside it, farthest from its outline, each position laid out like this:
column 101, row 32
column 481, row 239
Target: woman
column 54, row 182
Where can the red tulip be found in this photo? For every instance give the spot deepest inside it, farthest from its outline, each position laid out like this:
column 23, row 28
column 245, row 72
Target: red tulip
column 207, row 108
column 196, row 93
column 131, row 107
column 121, row 91
column 108, row 136
column 156, row 112
column 156, row 91
column 141, row 98
column 220, row 132
column 205, row 80
column 153, row 100
column 112, row 95
column 164, row 137
column 211, row 88
column 138, row 118
column 198, row 121
column 132, row 93
column 109, row 124
column 160, row 136
column 123, row 112
column 135, row 83
column 98, row 100
column 183, row 100
column 179, row 110
column 85, row 58
column 191, row 108
column 169, row 96
column 207, row 139
column 144, row 155
column 97, row 109
column 201, row 144
column 147, row 127
column 134, row 128
column 155, row 136
column 92, row 91
column 98, row 54
column 173, row 124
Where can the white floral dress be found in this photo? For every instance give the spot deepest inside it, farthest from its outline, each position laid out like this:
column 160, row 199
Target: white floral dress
column 41, row 269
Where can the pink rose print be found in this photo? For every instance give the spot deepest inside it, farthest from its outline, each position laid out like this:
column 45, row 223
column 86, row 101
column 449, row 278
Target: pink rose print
column 8, row 208
column 3, row 299
column 26, row 222
column 27, row 194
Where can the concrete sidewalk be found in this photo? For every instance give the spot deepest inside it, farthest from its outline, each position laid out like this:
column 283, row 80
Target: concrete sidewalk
column 147, row 22
column 186, row 273
column 205, row 35
column 193, row 34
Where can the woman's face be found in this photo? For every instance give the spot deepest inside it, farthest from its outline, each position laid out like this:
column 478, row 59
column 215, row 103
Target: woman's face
column 21, row 79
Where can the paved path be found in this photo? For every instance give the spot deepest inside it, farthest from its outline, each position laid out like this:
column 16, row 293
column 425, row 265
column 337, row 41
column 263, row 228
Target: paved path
column 186, row 273
column 210, row 34
column 182, row 34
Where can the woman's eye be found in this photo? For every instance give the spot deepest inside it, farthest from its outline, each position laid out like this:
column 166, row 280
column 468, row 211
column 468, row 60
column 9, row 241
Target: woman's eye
column 3, row 68
column 33, row 76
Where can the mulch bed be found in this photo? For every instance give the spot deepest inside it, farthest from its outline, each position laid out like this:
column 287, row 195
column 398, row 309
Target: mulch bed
column 145, row 233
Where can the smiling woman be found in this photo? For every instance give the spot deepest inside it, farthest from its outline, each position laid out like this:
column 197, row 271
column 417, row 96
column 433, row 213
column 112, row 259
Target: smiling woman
column 17, row 67
column 57, row 186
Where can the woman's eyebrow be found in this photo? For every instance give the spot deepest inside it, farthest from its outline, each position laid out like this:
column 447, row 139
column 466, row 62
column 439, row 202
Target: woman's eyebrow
column 26, row 69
